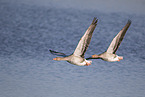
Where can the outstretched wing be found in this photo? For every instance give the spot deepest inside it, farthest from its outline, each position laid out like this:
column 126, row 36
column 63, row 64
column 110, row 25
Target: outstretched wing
column 57, row 53
column 85, row 40
column 118, row 39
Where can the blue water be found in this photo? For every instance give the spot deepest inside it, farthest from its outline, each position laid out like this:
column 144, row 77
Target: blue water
column 27, row 32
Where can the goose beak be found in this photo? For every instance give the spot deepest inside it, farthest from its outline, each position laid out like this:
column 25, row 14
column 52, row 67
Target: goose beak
column 54, row 58
column 94, row 56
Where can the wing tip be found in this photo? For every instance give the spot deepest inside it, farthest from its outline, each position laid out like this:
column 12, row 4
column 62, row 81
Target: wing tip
column 95, row 20
column 51, row 51
column 129, row 21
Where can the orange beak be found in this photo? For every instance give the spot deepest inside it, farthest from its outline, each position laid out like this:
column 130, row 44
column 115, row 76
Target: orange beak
column 94, row 56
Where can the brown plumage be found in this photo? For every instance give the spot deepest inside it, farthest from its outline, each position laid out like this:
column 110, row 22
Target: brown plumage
column 110, row 54
column 77, row 58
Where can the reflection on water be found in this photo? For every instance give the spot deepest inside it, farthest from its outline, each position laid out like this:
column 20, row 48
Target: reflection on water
column 26, row 66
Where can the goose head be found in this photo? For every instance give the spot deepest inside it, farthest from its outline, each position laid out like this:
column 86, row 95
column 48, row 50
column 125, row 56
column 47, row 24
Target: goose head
column 60, row 58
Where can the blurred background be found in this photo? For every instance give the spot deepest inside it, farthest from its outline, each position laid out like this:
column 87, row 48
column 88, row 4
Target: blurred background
column 29, row 28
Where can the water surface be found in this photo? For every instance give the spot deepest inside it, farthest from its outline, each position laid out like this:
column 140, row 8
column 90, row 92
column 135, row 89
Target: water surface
column 27, row 32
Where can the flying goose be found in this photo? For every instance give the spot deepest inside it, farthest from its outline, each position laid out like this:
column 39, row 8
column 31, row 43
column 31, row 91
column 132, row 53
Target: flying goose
column 77, row 58
column 110, row 54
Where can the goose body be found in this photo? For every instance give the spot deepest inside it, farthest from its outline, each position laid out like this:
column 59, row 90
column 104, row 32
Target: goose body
column 110, row 54
column 79, row 61
column 77, row 58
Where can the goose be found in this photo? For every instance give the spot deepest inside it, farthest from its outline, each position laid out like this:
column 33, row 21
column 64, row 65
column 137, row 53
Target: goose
column 110, row 54
column 77, row 58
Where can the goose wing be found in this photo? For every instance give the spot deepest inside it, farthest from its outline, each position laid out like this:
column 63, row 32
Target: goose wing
column 57, row 53
column 85, row 40
column 118, row 39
